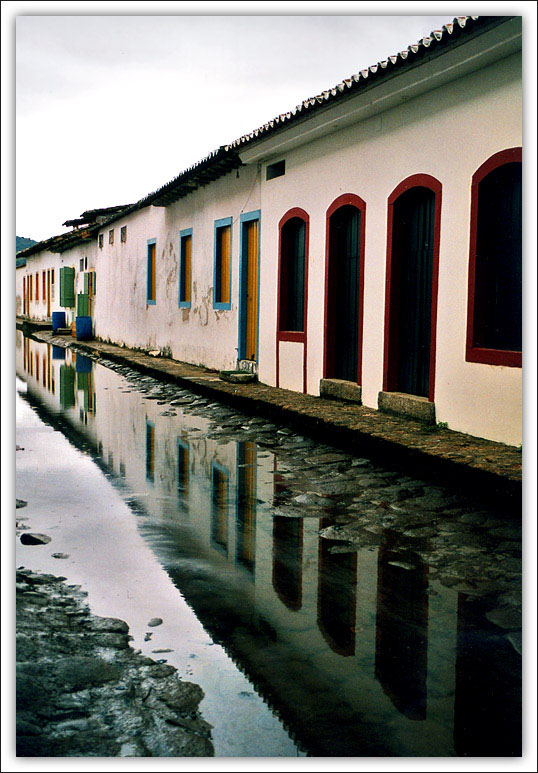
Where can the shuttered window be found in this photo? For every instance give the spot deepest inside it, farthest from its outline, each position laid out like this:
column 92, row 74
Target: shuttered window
column 494, row 332
column 89, row 283
column 83, row 305
column 67, row 287
column 151, row 293
column 223, row 259
column 292, row 276
column 37, row 287
column 44, row 275
column 185, row 267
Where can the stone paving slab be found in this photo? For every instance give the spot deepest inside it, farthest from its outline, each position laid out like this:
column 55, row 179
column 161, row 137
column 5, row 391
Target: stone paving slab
column 429, row 450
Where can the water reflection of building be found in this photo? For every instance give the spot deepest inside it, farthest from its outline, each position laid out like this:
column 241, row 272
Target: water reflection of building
column 349, row 648
column 337, row 580
column 487, row 705
column 401, row 663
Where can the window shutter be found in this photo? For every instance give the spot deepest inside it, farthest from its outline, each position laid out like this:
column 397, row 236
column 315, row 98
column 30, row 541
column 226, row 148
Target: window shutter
column 82, row 305
column 87, row 283
column 67, row 287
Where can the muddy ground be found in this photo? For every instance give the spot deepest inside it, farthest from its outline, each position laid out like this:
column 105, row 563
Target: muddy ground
column 82, row 691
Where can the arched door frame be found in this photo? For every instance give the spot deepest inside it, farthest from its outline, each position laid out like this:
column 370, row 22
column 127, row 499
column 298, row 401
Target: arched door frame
column 284, row 335
column 476, row 353
column 389, row 356
column 346, row 199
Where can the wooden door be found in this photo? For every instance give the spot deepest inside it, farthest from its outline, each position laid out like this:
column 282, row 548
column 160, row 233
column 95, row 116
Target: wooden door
column 249, row 347
column 344, row 294
column 48, row 293
column 411, row 293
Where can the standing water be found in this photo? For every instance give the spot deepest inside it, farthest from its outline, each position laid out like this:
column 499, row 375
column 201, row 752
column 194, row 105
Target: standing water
column 326, row 605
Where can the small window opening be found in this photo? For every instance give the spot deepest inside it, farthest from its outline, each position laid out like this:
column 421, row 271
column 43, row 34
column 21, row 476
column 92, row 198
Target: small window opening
column 275, row 170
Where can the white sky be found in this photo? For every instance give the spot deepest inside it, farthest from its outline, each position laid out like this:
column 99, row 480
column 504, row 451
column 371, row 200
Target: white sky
column 109, row 108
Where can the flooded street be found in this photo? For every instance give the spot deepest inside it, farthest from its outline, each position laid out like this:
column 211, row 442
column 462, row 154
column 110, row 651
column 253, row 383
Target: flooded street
column 326, row 605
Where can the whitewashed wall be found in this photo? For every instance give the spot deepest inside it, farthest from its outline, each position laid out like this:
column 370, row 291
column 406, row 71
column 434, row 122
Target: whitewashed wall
column 447, row 133
column 46, row 260
column 200, row 335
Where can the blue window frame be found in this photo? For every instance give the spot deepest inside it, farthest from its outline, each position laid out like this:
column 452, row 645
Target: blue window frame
column 222, row 266
column 185, row 268
column 151, row 298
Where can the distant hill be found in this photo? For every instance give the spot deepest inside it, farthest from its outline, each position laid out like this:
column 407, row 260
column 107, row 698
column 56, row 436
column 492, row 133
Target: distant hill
column 22, row 242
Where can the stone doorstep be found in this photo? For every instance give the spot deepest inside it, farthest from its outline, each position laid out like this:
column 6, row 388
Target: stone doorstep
column 237, row 376
column 412, row 406
column 248, row 366
column 338, row 389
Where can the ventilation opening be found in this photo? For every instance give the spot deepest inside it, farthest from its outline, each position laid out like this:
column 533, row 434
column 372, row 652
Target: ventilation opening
column 275, row 170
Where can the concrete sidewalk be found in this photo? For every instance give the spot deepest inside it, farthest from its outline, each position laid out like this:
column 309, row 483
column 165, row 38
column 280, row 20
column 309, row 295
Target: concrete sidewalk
column 490, row 469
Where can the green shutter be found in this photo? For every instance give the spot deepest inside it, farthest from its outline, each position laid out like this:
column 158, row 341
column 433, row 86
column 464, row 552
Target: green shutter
column 83, row 306
column 67, row 287
column 93, row 283
column 87, row 283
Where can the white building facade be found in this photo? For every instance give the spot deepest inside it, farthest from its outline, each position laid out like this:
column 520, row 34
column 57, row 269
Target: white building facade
column 418, row 158
column 371, row 239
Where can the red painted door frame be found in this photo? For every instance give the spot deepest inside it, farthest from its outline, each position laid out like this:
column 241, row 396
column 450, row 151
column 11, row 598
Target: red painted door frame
column 355, row 201
column 476, row 353
column 290, row 335
column 389, row 355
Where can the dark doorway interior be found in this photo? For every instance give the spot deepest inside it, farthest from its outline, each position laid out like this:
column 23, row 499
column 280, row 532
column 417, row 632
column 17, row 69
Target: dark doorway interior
column 343, row 297
column 411, row 291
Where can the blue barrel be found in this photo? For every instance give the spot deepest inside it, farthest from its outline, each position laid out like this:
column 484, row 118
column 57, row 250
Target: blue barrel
column 58, row 320
column 83, row 328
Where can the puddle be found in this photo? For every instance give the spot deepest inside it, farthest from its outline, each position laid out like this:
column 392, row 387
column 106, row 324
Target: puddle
column 327, row 606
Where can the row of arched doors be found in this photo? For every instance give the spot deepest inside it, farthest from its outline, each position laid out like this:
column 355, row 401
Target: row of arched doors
column 409, row 286
column 408, row 319
column 410, row 307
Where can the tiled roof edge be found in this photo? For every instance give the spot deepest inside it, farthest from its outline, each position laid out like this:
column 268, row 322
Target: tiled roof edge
column 448, row 35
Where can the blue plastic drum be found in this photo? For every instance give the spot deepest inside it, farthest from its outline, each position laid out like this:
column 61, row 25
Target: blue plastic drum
column 83, row 328
column 58, row 320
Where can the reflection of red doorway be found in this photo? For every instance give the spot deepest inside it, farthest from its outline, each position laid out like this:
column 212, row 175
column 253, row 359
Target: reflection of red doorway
column 413, row 232
column 344, row 288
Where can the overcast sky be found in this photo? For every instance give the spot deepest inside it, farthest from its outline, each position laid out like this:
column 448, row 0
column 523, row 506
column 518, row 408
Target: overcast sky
column 109, row 108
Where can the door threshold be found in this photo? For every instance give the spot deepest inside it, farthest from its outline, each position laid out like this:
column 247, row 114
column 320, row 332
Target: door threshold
column 402, row 404
column 339, row 389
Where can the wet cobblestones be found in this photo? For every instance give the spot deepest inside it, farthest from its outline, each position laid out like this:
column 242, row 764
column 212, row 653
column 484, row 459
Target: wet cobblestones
column 494, row 467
